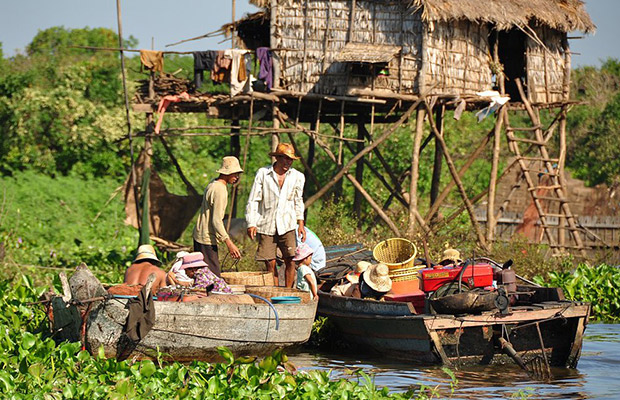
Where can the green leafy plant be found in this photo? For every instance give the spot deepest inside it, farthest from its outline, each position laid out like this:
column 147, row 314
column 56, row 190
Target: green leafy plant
column 598, row 285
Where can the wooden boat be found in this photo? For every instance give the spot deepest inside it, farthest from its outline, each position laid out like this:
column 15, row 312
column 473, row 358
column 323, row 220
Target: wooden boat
column 549, row 327
column 541, row 325
column 186, row 331
column 193, row 331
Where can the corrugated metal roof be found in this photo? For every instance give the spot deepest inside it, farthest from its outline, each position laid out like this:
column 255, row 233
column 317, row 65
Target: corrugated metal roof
column 367, row 53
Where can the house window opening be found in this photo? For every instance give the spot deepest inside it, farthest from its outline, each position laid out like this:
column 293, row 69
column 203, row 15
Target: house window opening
column 512, row 57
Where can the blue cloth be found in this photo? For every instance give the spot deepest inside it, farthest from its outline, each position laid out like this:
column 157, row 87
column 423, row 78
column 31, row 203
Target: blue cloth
column 318, row 256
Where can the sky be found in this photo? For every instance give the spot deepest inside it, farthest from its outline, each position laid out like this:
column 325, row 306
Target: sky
column 158, row 23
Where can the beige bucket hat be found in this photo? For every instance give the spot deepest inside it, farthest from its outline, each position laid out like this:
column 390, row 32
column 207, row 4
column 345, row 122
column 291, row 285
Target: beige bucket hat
column 230, row 165
column 354, row 276
column 452, row 255
column 285, row 149
column 147, row 252
column 378, row 278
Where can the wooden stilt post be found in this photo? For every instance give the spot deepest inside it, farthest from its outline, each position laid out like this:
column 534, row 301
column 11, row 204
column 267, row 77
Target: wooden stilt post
column 491, row 222
column 359, row 172
column 359, row 155
column 459, row 184
column 415, row 162
column 446, row 190
column 436, row 180
column 134, row 182
column 235, row 150
column 275, row 138
column 350, row 177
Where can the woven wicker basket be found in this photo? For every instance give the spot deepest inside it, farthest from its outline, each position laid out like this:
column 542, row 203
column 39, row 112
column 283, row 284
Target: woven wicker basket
column 276, row 291
column 248, row 278
column 395, row 253
column 405, row 274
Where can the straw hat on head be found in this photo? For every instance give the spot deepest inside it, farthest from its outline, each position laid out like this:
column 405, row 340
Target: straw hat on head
column 378, row 278
column 354, row 276
column 194, row 260
column 286, row 150
column 146, row 252
column 452, row 255
column 230, row 165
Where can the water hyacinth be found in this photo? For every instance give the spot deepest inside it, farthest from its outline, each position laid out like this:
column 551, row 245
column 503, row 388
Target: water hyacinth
column 32, row 366
column 598, row 285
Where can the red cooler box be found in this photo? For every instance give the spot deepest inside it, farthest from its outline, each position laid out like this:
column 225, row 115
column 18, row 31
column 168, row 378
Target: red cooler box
column 478, row 275
column 417, row 298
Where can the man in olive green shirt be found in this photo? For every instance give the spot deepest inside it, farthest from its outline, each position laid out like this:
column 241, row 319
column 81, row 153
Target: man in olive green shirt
column 210, row 228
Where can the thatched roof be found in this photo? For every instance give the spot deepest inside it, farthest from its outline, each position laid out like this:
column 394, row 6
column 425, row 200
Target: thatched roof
column 563, row 15
column 367, row 53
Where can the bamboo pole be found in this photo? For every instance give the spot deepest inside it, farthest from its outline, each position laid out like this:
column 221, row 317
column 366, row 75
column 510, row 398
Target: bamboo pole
column 275, row 138
column 459, row 184
column 361, row 154
column 126, row 97
column 491, row 222
column 190, row 188
column 350, row 177
column 415, row 163
column 436, row 179
column 444, row 193
column 359, row 173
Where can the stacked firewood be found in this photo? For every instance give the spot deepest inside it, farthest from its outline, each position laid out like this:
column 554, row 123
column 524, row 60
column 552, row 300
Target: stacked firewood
column 164, row 85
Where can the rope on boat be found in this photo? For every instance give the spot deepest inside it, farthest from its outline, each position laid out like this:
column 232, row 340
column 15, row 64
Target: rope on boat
column 270, row 304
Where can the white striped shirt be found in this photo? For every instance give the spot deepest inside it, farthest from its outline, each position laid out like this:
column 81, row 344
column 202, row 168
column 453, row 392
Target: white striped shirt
column 271, row 209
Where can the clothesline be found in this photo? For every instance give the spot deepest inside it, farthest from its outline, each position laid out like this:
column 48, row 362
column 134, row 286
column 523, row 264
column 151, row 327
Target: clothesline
column 130, row 50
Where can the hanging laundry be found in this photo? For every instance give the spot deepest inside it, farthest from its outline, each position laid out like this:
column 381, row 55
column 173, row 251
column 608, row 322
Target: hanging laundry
column 152, row 60
column 164, row 103
column 203, row 61
column 460, row 107
column 266, row 66
column 221, row 67
column 497, row 101
column 238, row 75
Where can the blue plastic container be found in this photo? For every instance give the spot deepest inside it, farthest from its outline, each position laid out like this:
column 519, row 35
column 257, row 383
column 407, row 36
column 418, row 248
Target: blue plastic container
column 286, row 300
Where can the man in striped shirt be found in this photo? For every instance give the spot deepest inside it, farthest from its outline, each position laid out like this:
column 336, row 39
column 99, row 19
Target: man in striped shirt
column 275, row 210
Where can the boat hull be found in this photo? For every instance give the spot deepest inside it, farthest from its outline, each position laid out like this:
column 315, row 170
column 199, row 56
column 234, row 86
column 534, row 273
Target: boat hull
column 186, row 331
column 391, row 329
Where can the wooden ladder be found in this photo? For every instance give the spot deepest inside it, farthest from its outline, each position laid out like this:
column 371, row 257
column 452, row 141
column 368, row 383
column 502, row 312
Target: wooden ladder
column 551, row 172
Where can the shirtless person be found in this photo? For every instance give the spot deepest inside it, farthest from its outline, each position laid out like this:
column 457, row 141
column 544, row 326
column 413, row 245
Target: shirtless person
column 145, row 264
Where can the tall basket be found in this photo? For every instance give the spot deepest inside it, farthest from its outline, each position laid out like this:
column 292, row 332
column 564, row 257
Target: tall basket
column 396, row 253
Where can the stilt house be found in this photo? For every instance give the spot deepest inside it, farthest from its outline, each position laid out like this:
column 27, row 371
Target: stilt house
column 383, row 47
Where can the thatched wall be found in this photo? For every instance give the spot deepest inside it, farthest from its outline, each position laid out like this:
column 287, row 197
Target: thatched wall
column 308, row 63
column 545, row 66
column 309, row 38
column 458, row 57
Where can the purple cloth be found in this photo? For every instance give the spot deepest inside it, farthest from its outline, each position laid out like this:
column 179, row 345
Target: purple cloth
column 204, row 277
column 266, row 66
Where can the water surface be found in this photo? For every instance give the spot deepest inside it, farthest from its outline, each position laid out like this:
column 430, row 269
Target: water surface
column 597, row 376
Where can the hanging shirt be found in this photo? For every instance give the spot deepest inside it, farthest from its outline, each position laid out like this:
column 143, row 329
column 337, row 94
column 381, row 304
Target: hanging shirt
column 271, row 209
column 238, row 75
column 152, row 60
column 302, row 282
column 203, row 61
column 221, row 67
column 266, row 66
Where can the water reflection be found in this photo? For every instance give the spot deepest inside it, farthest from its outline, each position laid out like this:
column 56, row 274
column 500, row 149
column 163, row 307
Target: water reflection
column 593, row 379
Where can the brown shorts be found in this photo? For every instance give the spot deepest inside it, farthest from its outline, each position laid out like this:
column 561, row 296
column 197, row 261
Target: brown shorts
column 267, row 244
